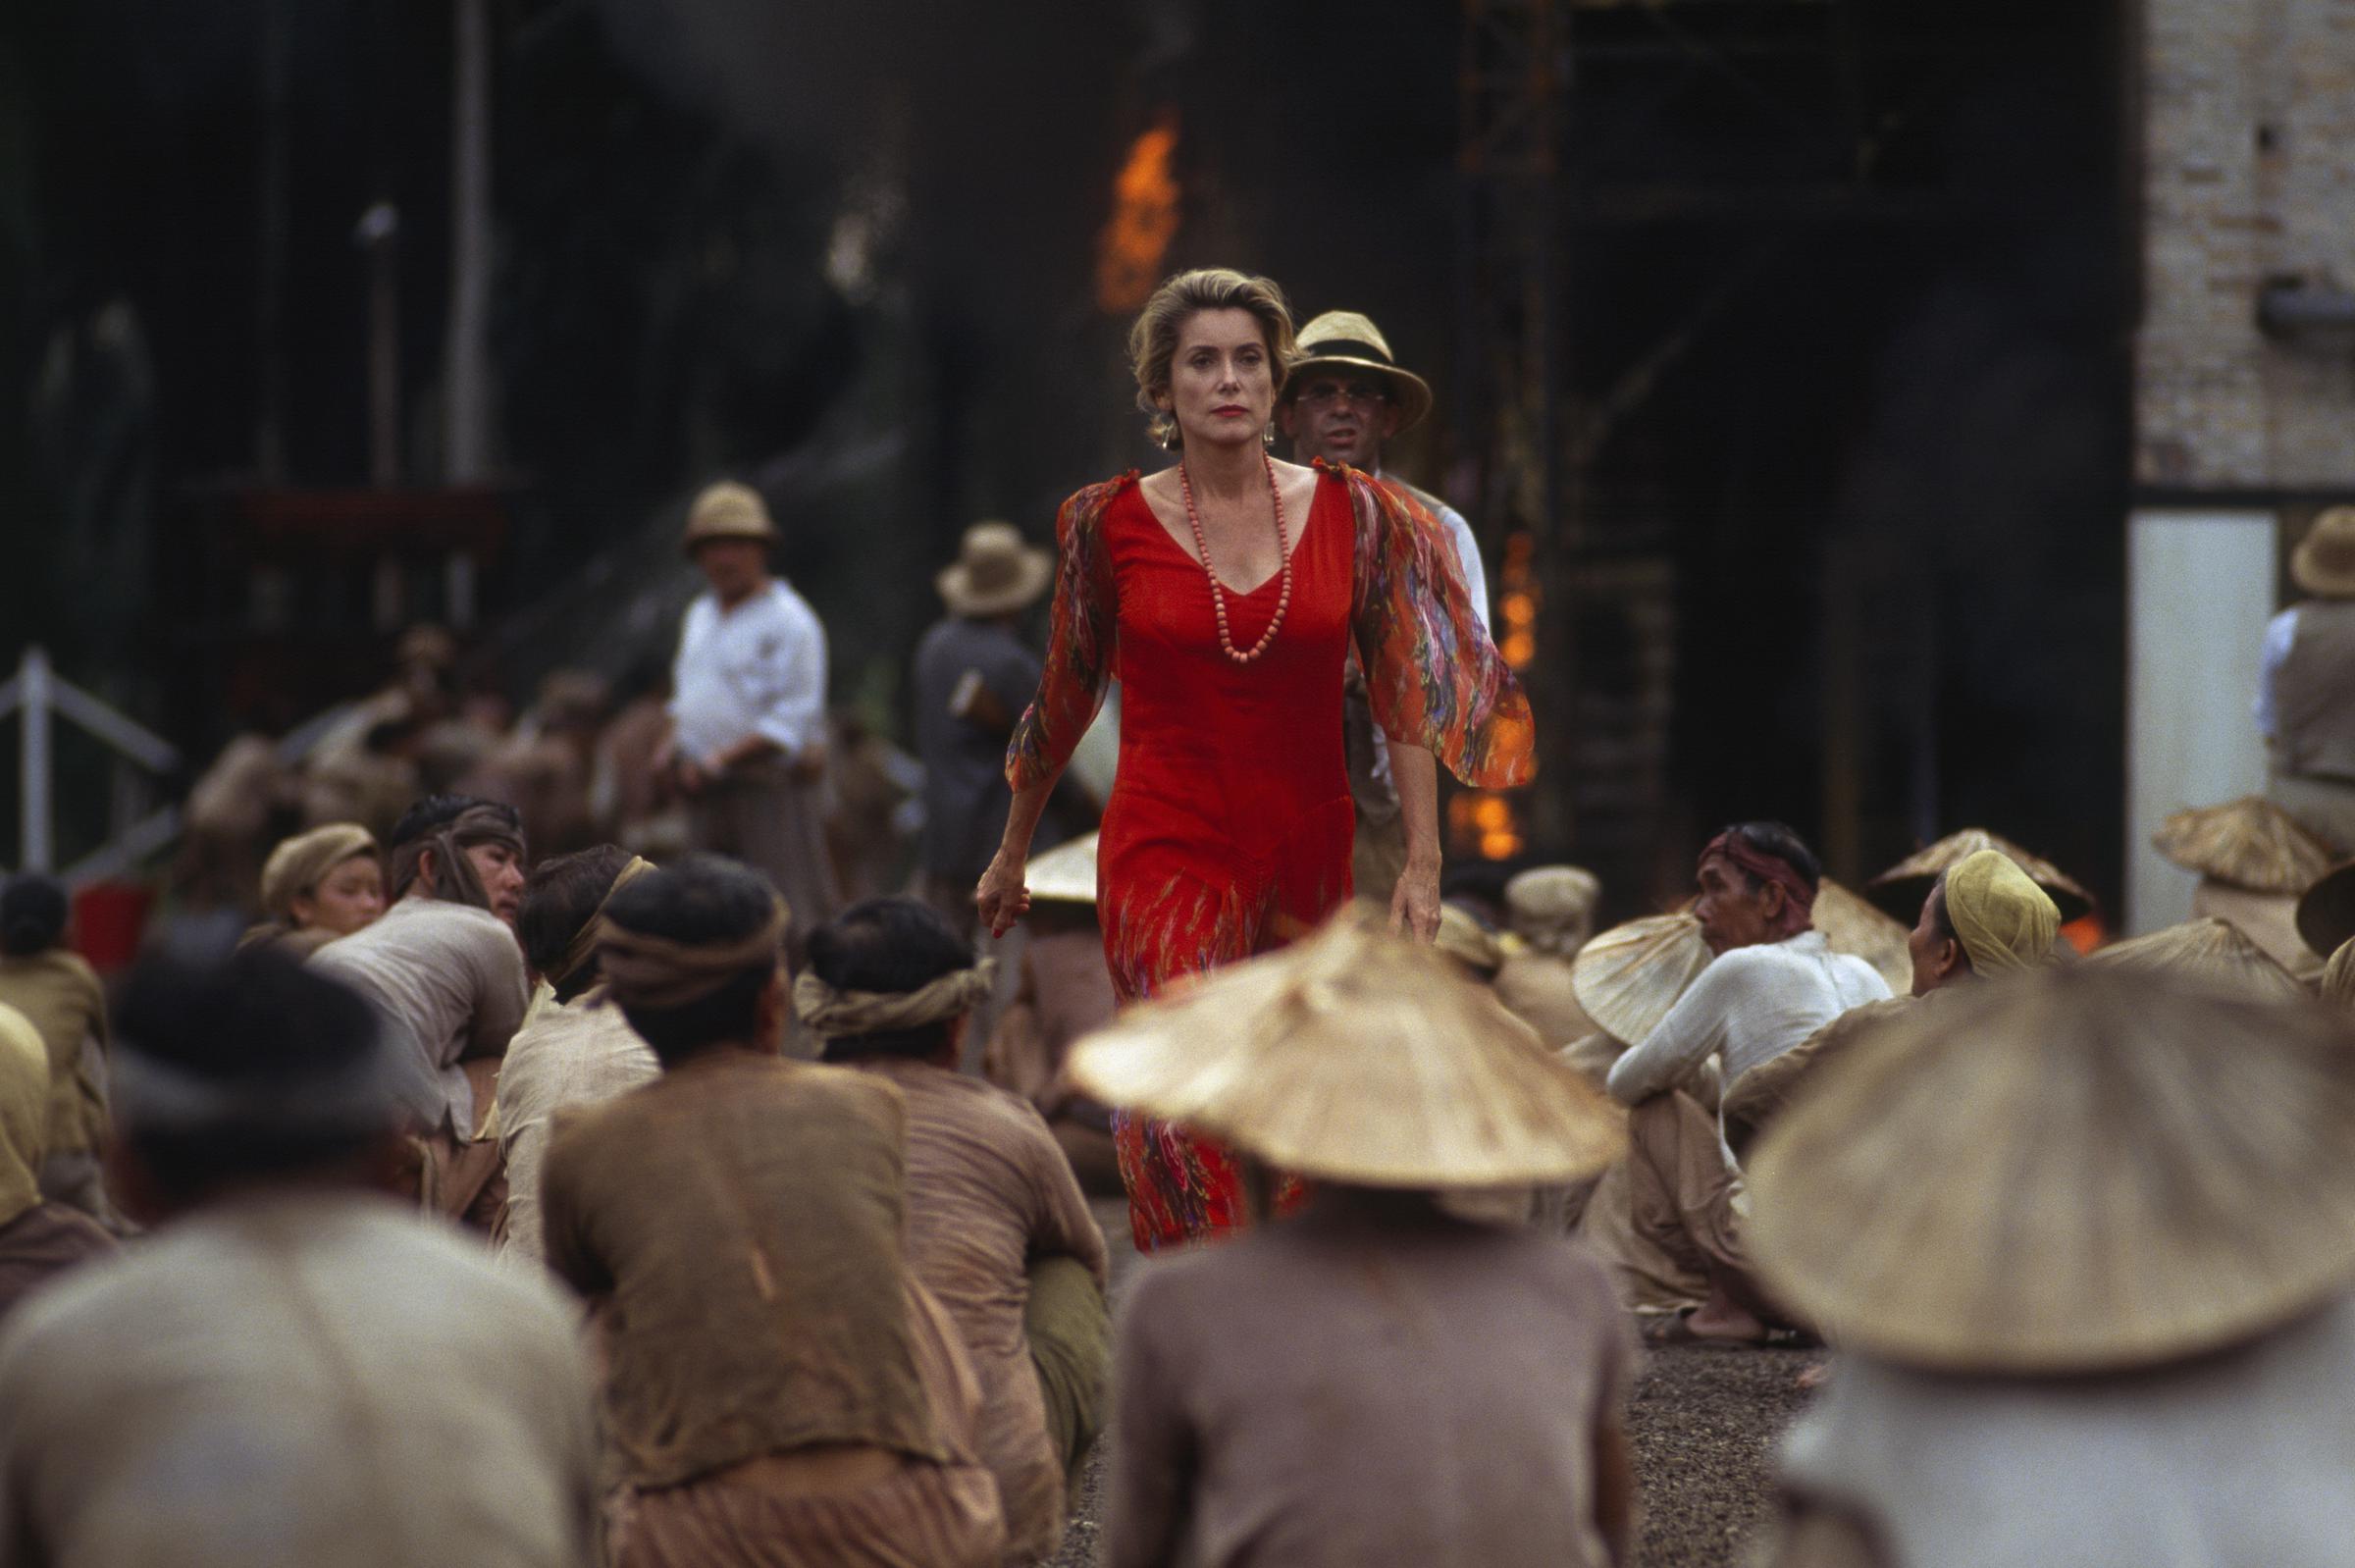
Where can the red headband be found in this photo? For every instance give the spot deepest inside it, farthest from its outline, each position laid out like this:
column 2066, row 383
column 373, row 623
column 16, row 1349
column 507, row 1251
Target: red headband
column 1798, row 897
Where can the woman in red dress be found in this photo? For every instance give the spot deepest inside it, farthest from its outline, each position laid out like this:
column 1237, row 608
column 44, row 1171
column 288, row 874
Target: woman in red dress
column 1226, row 594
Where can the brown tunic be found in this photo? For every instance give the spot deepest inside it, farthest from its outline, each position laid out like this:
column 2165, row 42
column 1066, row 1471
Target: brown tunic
column 988, row 1192
column 738, row 1221
column 1338, row 1390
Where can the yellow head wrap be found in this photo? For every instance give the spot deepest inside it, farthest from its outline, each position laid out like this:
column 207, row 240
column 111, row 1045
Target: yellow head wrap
column 2005, row 922
column 23, row 1112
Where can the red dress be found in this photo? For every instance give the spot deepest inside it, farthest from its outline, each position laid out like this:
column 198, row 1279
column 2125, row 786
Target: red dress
column 1229, row 825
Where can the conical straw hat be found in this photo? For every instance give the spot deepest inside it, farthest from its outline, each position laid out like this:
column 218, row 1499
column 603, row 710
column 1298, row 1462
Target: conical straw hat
column 2073, row 1171
column 2250, row 843
column 2206, row 952
column 1900, row 890
column 1851, row 926
column 1628, row 978
column 1063, row 874
column 1358, row 1057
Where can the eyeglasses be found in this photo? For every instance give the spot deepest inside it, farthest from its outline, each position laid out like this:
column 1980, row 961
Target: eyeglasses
column 1325, row 393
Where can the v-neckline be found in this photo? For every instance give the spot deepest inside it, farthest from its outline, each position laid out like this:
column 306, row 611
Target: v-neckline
column 1194, row 559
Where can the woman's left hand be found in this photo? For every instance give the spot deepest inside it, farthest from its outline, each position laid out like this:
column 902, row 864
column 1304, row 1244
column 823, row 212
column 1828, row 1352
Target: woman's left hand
column 1415, row 903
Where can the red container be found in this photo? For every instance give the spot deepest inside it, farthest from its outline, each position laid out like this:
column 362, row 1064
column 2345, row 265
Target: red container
column 108, row 920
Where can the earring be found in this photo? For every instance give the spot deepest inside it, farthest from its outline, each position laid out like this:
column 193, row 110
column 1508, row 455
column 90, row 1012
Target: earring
column 1267, row 434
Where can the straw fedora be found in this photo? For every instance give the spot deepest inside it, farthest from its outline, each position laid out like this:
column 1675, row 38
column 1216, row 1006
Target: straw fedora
column 2209, row 952
column 1628, row 978
column 1853, row 926
column 2250, row 843
column 1063, row 874
column 996, row 573
column 2323, row 563
column 1344, row 337
column 1356, row 1056
column 1901, row 889
column 2075, row 1170
column 727, row 510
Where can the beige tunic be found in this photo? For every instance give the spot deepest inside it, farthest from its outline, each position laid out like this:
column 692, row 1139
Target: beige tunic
column 60, row 993
column 1333, row 1390
column 1535, row 987
column 293, row 1380
column 447, row 979
column 987, row 1192
column 578, row 1053
column 2241, row 1457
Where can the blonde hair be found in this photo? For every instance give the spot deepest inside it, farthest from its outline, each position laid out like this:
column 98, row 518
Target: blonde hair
column 1153, row 340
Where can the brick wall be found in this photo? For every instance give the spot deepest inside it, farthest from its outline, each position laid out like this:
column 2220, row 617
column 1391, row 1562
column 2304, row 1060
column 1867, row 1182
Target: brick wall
column 2248, row 176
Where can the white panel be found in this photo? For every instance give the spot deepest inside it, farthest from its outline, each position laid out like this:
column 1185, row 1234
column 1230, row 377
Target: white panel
column 2199, row 591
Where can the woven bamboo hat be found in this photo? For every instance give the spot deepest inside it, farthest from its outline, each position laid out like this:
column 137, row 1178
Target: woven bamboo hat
column 727, row 510
column 1552, row 907
column 2208, row 952
column 2250, row 843
column 1464, row 939
column 2075, row 1170
column 1628, row 978
column 2327, row 910
column 1358, row 1057
column 1063, row 874
column 1900, row 890
column 1851, row 926
column 1345, row 337
column 2323, row 563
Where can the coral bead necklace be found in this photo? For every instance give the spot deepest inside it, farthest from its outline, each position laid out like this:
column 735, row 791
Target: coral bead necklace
column 1217, row 592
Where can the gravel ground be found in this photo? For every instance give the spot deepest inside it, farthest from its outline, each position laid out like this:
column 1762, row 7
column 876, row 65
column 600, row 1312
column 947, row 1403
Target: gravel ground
column 1703, row 1422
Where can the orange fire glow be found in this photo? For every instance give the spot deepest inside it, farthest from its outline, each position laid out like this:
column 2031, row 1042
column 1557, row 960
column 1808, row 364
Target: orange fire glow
column 1144, row 222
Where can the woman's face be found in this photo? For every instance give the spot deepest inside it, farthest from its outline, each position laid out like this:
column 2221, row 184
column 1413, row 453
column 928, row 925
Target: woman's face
column 1222, row 385
column 347, row 898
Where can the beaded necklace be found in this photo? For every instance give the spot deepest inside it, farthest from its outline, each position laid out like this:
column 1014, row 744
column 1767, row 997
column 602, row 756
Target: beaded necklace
column 1218, row 591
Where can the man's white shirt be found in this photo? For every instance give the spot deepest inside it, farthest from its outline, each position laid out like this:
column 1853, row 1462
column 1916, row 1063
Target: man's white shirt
column 756, row 670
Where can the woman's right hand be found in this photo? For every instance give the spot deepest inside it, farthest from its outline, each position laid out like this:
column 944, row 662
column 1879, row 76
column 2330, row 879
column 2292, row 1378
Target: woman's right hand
column 1001, row 897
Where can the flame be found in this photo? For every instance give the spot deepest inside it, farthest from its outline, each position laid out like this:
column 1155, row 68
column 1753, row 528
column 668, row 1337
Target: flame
column 1144, row 222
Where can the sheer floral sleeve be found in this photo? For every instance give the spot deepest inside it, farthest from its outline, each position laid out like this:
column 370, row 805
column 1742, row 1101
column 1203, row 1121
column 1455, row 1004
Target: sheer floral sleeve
column 1433, row 677
column 1080, row 640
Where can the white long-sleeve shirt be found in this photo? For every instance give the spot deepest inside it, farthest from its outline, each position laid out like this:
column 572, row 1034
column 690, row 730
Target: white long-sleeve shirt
column 2280, row 635
column 756, row 670
column 1750, row 1006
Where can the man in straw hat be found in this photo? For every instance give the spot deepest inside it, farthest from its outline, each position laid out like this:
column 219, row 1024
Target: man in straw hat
column 779, row 1386
column 1773, row 982
column 973, row 678
column 1063, row 992
column 2306, row 684
column 747, row 708
column 2115, row 1331
column 1552, row 910
column 573, row 1049
column 289, row 1369
column 1984, row 917
column 998, row 1230
column 1371, row 1379
column 1346, row 397
column 442, row 970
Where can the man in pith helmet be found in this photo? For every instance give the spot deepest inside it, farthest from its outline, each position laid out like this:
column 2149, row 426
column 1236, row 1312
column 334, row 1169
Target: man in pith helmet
column 1346, row 397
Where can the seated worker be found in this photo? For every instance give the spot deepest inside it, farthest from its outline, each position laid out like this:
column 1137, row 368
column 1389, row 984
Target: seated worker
column 1370, row 1380
column 2088, row 1240
column 1064, row 991
column 1983, row 917
column 778, row 1386
column 998, row 1230
column 290, row 1369
column 442, row 969
column 573, row 1049
column 1772, row 983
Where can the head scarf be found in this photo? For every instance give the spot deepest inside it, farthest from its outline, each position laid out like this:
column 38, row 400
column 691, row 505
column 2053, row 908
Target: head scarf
column 24, row 1112
column 2004, row 920
column 583, row 947
column 643, row 970
column 300, row 864
column 455, row 878
column 833, row 1015
column 1799, row 893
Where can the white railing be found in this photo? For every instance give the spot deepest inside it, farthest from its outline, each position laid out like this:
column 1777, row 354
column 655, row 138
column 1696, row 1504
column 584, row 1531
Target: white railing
column 38, row 692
